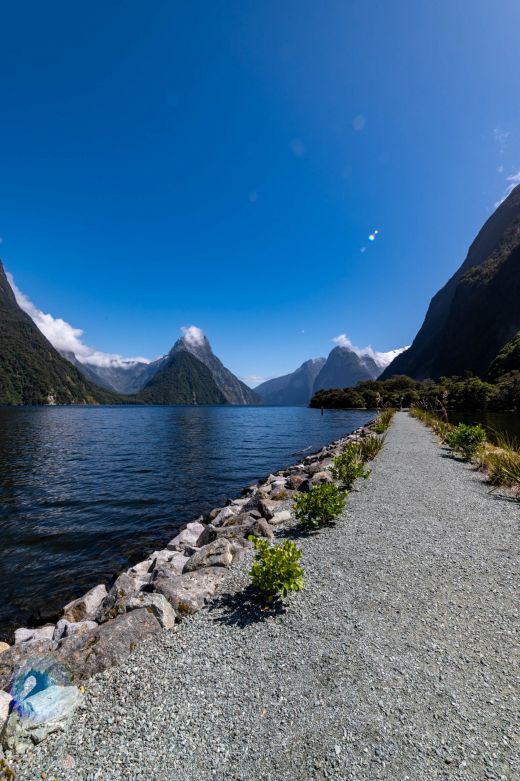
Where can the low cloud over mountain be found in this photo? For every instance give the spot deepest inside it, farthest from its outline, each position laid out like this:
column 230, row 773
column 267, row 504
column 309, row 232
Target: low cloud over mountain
column 67, row 339
column 380, row 359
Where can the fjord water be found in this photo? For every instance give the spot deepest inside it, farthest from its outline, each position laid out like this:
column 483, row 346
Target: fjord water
column 497, row 424
column 86, row 490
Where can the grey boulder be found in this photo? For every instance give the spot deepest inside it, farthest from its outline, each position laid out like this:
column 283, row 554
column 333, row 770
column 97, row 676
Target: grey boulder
column 227, row 512
column 282, row 517
column 188, row 593
column 124, row 588
column 5, row 703
column 261, row 528
column 86, row 607
column 321, row 477
column 110, row 644
column 174, row 560
column 23, row 635
column 214, row 554
column 66, row 628
column 267, row 508
column 156, row 604
column 187, row 537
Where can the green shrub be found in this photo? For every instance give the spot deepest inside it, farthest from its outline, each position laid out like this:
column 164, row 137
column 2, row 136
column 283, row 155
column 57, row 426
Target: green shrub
column 383, row 420
column 276, row 570
column 370, row 446
column 467, row 440
column 321, row 505
column 348, row 467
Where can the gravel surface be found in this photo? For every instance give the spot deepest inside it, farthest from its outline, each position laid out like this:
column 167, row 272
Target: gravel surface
column 397, row 661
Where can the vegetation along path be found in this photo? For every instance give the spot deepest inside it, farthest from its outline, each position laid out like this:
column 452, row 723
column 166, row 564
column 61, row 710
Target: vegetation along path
column 397, row 661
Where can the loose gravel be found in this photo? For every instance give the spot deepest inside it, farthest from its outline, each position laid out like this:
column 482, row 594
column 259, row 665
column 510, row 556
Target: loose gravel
column 399, row 660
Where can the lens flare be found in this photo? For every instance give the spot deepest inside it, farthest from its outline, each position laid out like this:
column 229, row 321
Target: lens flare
column 34, row 676
column 373, row 236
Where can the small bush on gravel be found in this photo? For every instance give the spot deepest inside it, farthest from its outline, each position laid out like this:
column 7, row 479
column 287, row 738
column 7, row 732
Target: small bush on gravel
column 467, row 440
column 370, row 446
column 348, row 467
column 321, row 505
column 383, row 420
column 276, row 570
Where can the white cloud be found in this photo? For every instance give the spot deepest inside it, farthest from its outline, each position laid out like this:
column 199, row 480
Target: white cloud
column 65, row 337
column 501, row 136
column 254, row 379
column 513, row 180
column 381, row 359
column 193, row 336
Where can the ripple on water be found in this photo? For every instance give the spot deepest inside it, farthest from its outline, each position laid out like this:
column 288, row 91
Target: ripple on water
column 84, row 490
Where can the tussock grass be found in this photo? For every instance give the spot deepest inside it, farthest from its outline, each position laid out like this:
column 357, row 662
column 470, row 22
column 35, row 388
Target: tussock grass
column 368, row 447
column 500, row 462
column 383, row 420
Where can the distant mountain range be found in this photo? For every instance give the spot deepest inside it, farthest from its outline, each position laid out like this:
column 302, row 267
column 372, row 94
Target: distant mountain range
column 478, row 310
column 471, row 320
column 344, row 368
column 189, row 373
column 32, row 371
column 292, row 389
column 119, row 376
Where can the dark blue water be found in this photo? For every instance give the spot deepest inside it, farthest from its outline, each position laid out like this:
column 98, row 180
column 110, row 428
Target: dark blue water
column 86, row 490
column 496, row 423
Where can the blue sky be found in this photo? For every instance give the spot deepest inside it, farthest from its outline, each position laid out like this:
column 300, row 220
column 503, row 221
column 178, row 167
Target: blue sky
column 223, row 164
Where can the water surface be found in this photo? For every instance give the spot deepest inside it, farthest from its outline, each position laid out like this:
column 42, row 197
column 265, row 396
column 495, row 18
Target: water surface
column 86, row 490
column 496, row 423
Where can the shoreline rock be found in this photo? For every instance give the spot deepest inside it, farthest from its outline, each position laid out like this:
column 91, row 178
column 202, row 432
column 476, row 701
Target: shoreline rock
column 101, row 628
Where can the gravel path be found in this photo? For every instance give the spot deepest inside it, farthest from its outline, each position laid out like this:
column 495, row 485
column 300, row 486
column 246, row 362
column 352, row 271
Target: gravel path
column 397, row 661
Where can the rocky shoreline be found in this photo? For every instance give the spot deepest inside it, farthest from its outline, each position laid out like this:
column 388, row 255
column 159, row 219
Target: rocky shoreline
column 41, row 674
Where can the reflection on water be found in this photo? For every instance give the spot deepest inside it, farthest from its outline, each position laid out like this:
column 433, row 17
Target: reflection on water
column 85, row 489
column 496, row 423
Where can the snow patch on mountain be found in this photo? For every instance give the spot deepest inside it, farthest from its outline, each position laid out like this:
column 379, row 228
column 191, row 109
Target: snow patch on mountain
column 382, row 359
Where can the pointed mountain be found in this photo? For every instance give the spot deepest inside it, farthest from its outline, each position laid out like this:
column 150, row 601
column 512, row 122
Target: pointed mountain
column 183, row 379
column 31, row 370
column 477, row 312
column 234, row 390
column 344, row 368
column 292, row 389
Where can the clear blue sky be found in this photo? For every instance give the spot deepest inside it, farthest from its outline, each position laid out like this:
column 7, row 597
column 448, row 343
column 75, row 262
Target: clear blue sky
column 223, row 163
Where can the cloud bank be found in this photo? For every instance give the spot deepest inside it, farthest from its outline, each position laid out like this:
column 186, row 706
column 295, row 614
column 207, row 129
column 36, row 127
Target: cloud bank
column 65, row 338
column 381, row 359
column 254, row 379
column 513, row 180
column 193, row 335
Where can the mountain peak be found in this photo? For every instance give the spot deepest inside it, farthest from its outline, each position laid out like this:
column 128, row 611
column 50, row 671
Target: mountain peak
column 476, row 312
column 195, row 342
column 294, row 388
